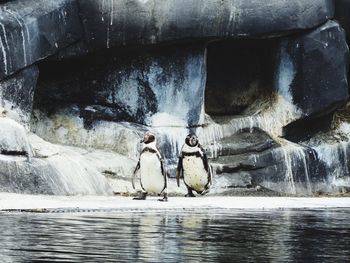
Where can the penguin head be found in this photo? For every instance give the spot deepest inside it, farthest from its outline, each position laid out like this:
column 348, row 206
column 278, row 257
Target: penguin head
column 148, row 137
column 191, row 140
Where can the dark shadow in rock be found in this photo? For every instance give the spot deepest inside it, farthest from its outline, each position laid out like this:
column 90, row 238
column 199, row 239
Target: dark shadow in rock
column 304, row 129
column 239, row 72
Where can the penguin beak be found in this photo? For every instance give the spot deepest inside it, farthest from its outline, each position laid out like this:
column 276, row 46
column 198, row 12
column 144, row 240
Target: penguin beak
column 142, row 141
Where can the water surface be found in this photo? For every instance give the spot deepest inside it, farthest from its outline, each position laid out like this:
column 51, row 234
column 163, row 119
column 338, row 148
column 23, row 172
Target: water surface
column 177, row 236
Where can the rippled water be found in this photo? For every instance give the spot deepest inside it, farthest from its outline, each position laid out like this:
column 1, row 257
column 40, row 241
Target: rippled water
column 228, row 236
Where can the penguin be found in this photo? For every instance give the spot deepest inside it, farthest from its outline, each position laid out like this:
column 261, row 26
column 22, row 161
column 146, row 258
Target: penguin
column 152, row 174
column 193, row 166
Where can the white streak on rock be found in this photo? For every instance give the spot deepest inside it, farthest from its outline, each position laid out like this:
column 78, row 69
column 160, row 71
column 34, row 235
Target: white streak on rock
column 3, row 51
column 22, row 28
column 112, row 11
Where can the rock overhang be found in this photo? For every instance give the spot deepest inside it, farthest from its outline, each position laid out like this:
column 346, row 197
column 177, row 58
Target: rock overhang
column 124, row 22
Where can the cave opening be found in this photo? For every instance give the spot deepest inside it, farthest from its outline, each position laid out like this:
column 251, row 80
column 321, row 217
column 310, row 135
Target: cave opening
column 239, row 72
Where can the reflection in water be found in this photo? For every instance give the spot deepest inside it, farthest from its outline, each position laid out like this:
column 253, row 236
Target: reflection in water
column 228, row 236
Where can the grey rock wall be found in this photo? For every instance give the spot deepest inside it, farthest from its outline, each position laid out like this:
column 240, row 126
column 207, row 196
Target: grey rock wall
column 34, row 29
column 317, row 62
column 130, row 86
column 115, row 23
column 342, row 15
column 17, row 93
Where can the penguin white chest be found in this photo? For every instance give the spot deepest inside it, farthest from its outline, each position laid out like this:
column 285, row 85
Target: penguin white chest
column 195, row 175
column 152, row 179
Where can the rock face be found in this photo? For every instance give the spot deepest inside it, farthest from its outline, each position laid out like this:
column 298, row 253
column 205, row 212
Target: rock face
column 261, row 82
column 17, row 92
column 115, row 23
column 342, row 15
column 13, row 140
column 32, row 30
column 322, row 53
column 132, row 87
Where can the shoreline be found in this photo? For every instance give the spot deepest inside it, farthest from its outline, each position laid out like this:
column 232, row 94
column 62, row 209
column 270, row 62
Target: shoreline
column 10, row 202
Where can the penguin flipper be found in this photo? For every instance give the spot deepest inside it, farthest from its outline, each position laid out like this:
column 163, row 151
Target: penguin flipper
column 178, row 171
column 134, row 174
column 205, row 159
column 164, row 173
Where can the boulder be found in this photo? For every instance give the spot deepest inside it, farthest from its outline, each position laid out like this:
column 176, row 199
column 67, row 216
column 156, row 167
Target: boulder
column 128, row 22
column 34, row 29
column 315, row 63
column 17, row 92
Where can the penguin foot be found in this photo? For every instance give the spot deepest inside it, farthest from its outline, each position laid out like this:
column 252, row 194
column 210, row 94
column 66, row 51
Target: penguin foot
column 190, row 195
column 138, row 198
column 205, row 192
column 164, row 199
column 141, row 197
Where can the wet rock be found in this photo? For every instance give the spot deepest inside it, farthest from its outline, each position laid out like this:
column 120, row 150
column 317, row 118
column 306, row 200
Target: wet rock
column 290, row 170
column 60, row 170
column 17, row 92
column 32, row 30
column 132, row 86
column 281, row 167
column 66, row 127
column 332, row 163
column 17, row 175
column 56, row 175
column 227, row 181
column 115, row 23
column 323, row 53
column 13, row 138
column 305, row 128
column 243, row 151
column 246, row 141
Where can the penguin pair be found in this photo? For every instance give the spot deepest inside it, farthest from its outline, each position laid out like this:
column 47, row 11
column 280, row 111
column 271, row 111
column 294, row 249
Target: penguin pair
column 192, row 166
